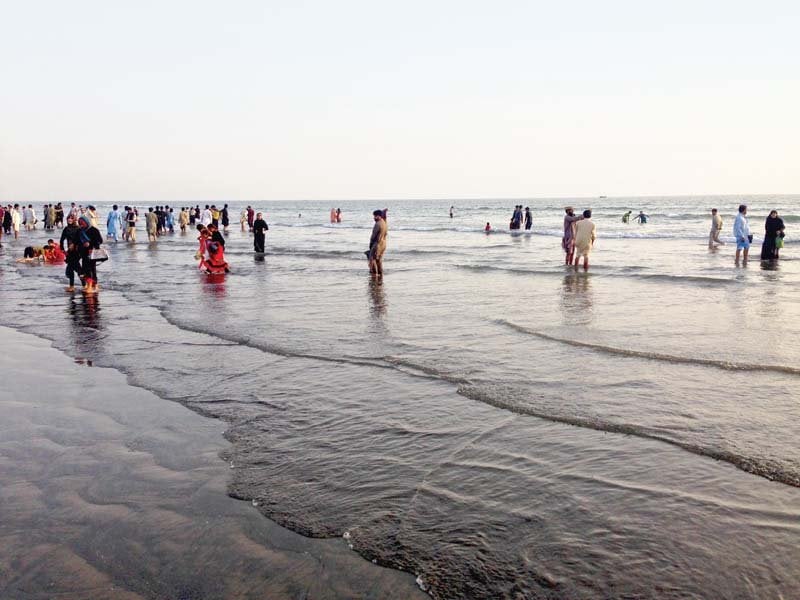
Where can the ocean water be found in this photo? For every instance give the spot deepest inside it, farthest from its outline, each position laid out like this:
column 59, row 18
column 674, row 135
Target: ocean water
column 486, row 418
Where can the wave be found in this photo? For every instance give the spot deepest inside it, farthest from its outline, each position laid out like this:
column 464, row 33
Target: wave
column 649, row 355
column 628, row 272
column 769, row 469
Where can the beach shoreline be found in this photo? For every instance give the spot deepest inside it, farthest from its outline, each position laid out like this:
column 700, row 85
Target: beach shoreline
column 112, row 492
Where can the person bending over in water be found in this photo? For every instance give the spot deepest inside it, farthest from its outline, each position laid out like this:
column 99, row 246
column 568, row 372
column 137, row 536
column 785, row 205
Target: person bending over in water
column 627, row 217
column 584, row 238
column 377, row 243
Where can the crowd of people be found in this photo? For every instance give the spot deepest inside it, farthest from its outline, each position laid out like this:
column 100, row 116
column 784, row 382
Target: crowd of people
column 80, row 244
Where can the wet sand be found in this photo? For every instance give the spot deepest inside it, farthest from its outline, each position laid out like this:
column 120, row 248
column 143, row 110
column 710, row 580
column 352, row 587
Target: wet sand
column 107, row 491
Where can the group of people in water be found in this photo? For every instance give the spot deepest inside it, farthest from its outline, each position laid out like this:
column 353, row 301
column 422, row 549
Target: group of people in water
column 80, row 243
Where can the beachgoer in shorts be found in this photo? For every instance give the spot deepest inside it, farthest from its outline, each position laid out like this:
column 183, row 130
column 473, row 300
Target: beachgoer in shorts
column 741, row 231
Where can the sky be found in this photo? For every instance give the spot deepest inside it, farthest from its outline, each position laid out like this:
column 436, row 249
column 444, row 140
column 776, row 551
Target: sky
column 259, row 100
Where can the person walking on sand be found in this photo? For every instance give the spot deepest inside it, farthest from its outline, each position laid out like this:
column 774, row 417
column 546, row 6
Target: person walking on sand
column 259, row 228
column 741, row 231
column 568, row 239
column 528, row 219
column 585, row 234
column 716, row 228
column 377, row 243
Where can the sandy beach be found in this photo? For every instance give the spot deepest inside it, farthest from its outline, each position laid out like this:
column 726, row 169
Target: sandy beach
column 107, row 491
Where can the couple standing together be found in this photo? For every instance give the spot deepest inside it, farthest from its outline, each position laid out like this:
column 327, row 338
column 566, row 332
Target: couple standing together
column 579, row 236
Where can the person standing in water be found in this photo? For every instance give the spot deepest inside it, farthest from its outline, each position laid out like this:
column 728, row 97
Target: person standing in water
column 89, row 240
column 259, row 228
column 585, row 234
column 741, row 231
column 716, row 227
column 151, row 222
column 452, row 208
column 626, row 218
column 568, row 239
column 528, row 219
column 113, row 224
column 773, row 236
column 641, row 217
column 377, row 243
column 69, row 245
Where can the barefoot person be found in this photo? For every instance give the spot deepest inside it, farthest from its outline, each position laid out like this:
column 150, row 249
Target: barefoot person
column 69, row 244
column 90, row 239
column 568, row 239
column 584, row 238
column 741, row 231
column 377, row 243
column 774, row 232
column 716, row 227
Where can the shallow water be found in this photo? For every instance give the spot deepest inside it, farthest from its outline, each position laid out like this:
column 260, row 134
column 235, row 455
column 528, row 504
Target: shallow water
column 486, row 418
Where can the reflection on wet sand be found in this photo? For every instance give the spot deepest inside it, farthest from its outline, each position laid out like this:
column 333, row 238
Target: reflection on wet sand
column 576, row 299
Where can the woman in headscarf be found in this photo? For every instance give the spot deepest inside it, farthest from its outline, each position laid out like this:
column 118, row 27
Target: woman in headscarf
column 773, row 231
column 90, row 239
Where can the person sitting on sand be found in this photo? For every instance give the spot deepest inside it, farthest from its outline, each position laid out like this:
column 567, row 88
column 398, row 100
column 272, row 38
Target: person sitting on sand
column 585, row 234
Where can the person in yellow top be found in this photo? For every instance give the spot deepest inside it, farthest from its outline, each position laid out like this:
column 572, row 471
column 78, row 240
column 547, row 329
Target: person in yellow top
column 716, row 227
column 585, row 234
column 214, row 215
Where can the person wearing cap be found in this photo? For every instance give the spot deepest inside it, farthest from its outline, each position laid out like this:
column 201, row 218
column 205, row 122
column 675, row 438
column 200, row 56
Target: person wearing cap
column 716, row 227
column 568, row 239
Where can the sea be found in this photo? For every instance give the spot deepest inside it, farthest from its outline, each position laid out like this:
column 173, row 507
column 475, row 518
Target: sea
column 486, row 418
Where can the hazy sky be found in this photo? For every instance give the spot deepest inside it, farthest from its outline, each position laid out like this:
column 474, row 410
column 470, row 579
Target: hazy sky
column 170, row 100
